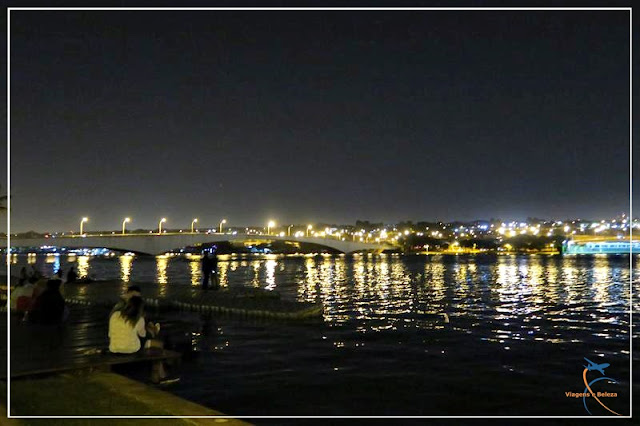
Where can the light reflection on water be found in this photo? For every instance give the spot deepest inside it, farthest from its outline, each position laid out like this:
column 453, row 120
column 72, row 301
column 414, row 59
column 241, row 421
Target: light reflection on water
column 195, row 272
column 374, row 292
column 82, row 266
column 519, row 324
column 125, row 267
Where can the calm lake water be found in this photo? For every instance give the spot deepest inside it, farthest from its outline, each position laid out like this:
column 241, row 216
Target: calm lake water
column 518, row 330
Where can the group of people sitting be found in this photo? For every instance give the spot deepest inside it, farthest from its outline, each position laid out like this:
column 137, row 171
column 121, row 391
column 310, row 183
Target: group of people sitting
column 38, row 298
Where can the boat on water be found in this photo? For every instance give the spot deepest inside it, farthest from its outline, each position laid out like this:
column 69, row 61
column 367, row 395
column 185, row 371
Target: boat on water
column 601, row 246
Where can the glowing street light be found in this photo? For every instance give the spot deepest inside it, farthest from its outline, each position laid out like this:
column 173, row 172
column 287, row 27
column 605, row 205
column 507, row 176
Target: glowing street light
column 84, row 219
column 192, row 222
column 289, row 230
column 222, row 222
column 163, row 220
column 309, row 228
column 126, row 220
column 270, row 225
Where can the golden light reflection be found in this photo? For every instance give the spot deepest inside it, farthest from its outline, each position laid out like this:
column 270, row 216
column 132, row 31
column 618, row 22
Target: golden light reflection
column 461, row 283
column 402, row 298
column 270, row 270
column 125, row 267
column 434, row 290
column 223, row 273
column 255, row 281
column 536, row 280
column 384, row 279
column 162, row 263
column 195, row 272
column 602, row 279
column 508, row 285
column 83, row 266
column 569, row 281
column 307, row 289
column 333, row 291
column 161, row 269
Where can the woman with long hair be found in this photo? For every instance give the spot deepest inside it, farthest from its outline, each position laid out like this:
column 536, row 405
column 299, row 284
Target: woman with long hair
column 126, row 327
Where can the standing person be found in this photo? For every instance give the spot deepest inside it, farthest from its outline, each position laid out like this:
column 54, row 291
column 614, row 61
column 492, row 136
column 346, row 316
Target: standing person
column 206, row 270
column 214, row 271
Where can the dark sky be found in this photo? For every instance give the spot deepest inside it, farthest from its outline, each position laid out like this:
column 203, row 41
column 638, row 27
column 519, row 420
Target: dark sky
column 316, row 116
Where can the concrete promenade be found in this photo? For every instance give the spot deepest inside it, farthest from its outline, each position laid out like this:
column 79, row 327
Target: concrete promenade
column 85, row 392
column 119, row 396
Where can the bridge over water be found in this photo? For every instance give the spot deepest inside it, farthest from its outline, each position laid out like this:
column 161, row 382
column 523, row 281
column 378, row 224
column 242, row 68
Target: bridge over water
column 155, row 244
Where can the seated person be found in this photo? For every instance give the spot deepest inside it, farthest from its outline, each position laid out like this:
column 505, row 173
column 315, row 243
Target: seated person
column 72, row 276
column 40, row 285
column 21, row 296
column 132, row 290
column 49, row 306
column 126, row 327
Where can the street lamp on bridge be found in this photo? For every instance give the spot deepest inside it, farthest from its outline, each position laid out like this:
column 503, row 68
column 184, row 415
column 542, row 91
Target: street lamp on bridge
column 222, row 222
column 309, row 228
column 163, row 220
column 270, row 225
column 126, row 220
column 289, row 230
column 84, row 219
column 192, row 223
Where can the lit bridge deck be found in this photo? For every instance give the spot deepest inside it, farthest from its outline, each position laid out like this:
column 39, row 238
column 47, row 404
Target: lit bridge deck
column 155, row 244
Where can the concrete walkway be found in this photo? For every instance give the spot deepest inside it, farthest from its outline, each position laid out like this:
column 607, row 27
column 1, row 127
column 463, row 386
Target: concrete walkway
column 152, row 399
column 161, row 401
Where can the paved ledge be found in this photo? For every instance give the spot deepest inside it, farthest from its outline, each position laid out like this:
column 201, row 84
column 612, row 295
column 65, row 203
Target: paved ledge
column 101, row 394
column 163, row 401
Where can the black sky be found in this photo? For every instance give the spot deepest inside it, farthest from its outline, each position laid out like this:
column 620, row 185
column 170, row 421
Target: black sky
column 316, row 116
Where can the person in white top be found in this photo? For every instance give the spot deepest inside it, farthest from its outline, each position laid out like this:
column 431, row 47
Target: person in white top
column 127, row 326
column 21, row 290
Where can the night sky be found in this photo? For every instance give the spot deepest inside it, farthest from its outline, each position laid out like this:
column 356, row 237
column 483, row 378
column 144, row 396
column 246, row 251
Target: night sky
column 316, row 116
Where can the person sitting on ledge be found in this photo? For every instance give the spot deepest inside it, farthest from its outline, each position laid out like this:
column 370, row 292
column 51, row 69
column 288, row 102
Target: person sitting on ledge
column 49, row 307
column 22, row 295
column 40, row 285
column 127, row 326
column 132, row 290
column 71, row 275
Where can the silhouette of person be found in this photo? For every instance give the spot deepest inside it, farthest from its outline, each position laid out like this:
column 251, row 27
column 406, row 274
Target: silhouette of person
column 214, row 271
column 72, row 276
column 49, row 307
column 206, row 270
